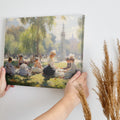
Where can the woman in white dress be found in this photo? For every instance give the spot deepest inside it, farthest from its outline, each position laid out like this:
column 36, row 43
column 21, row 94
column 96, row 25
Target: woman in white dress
column 51, row 69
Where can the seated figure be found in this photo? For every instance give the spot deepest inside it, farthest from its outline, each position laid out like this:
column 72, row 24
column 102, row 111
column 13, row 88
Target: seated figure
column 24, row 70
column 10, row 70
column 49, row 70
column 72, row 69
column 37, row 68
column 68, row 63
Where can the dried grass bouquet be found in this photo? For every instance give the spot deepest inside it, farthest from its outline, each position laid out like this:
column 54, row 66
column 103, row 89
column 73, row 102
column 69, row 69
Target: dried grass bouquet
column 108, row 84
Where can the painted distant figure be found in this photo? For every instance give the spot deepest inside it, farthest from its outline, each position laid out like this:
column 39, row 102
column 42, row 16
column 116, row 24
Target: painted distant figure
column 72, row 69
column 32, row 59
column 50, row 69
column 37, row 68
column 68, row 63
column 21, row 61
column 24, row 70
column 10, row 70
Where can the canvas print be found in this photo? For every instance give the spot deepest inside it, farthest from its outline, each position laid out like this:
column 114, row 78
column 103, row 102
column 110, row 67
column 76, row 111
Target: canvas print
column 43, row 51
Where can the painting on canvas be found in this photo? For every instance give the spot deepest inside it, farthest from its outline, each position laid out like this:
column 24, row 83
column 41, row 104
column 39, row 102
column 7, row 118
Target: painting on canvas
column 43, row 51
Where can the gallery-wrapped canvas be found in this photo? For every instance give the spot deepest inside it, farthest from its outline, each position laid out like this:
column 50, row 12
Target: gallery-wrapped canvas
column 43, row 51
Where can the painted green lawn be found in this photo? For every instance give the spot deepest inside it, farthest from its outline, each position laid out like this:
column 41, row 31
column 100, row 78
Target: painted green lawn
column 38, row 80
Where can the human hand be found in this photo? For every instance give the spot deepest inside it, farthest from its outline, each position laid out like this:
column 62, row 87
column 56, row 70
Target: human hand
column 64, row 107
column 3, row 85
column 71, row 93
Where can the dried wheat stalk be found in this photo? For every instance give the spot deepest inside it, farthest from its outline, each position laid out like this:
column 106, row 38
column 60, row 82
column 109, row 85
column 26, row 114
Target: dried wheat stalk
column 108, row 85
column 86, row 109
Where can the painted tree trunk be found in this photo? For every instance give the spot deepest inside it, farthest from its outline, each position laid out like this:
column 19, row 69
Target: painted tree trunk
column 38, row 41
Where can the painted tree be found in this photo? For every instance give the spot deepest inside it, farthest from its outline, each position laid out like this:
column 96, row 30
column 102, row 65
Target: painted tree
column 40, row 26
column 11, row 45
column 26, row 42
column 48, row 43
column 15, row 31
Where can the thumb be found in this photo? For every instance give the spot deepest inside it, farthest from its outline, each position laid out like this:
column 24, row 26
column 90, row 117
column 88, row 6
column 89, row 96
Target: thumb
column 3, row 72
column 77, row 75
column 0, row 72
column 83, row 77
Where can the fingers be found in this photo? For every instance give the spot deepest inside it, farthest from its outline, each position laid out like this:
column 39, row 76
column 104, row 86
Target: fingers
column 0, row 71
column 12, row 86
column 76, row 76
column 1, row 95
column 7, row 88
column 83, row 77
column 81, row 80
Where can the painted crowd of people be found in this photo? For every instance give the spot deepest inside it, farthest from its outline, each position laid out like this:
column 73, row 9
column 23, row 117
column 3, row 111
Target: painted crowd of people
column 48, row 71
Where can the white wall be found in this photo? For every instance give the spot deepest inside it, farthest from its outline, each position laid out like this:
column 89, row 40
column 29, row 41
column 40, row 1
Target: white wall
column 102, row 23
